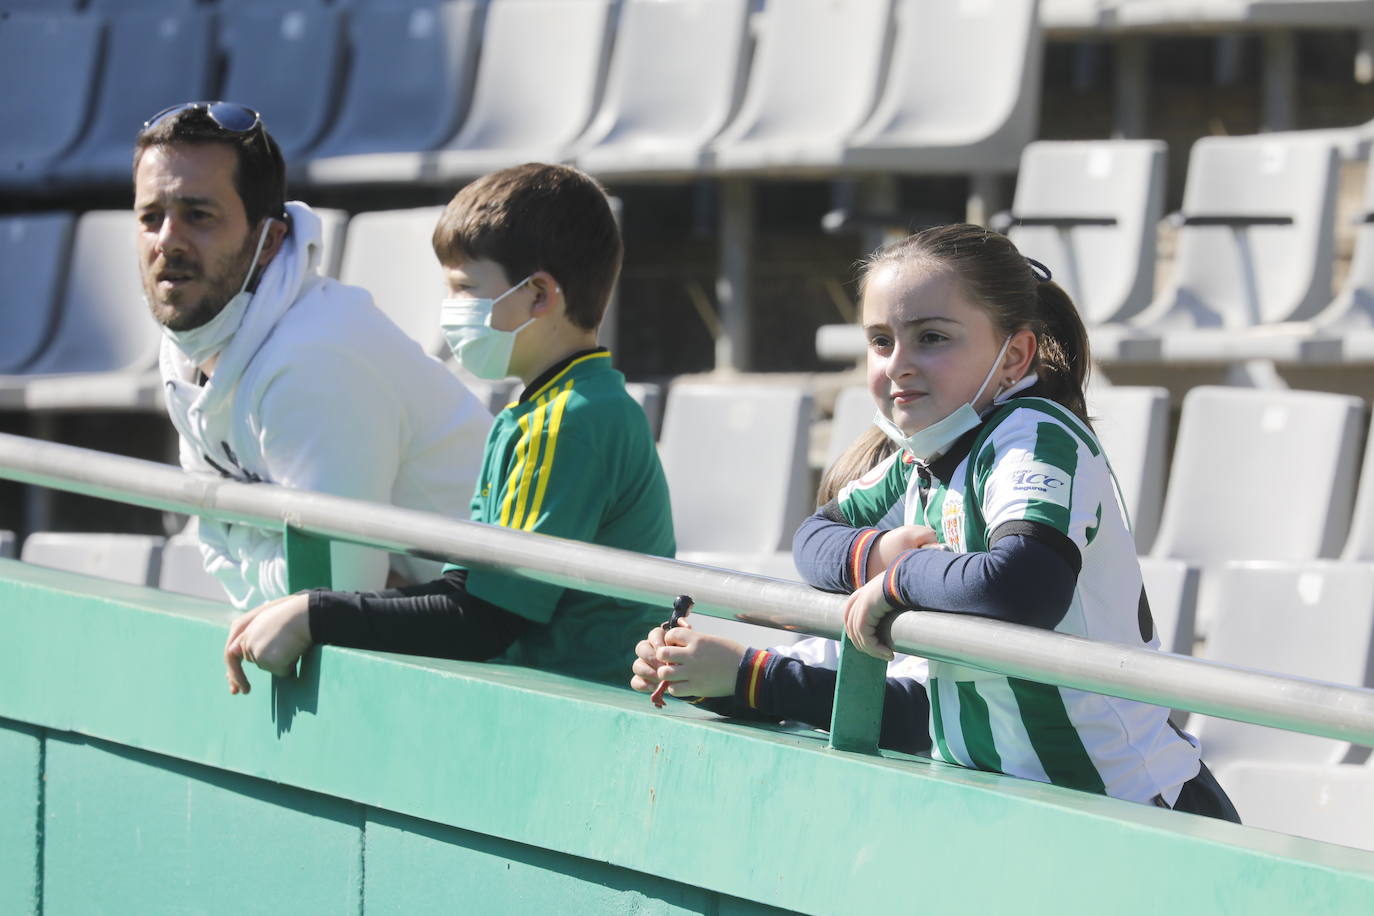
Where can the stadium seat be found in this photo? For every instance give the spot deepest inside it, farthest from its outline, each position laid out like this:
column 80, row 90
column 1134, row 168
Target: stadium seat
column 1359, row 546
column 152, row 60
column 1089, row 211
column 650, row 397
column 1248, row 14
column 103, row 352
column 1132, row 424
column 33, row 262
column 1320, row 801
column 183, row 569
column 852, row 417
column 736, row 460
column 518, row 114
column 7, row 544
column 131, row 558
column 1261, row 475
column 1350, row 316
column 388, row 253
column 1171, row 586
column 160, row 6
column 285, row 63
column 816, row 73
column 410, row 78
column 1309, row 619
column 939, row 114
column 48, row 67
column 333, row 231
column 665, row 100
column 1253, row 258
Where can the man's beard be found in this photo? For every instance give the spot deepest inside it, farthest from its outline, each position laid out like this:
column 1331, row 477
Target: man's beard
column 221, row 285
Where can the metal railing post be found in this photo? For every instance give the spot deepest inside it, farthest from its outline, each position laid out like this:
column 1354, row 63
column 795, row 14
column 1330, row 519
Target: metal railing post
column 860, row 685
column 307, row 560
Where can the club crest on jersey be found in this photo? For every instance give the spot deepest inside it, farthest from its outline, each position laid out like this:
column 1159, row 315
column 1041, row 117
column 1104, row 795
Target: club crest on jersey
column 952, row 521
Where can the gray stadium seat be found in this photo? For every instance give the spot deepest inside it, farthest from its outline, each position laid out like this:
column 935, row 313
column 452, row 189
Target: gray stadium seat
column 650, row 397
column 1089, row 210
column 103, row 352
column 816, row 74
column 736, row 460
column 1320, row 801
column 333, row 231
column 131, row 558
column 1133, row 425
column 33, row 262
column 1171, row 586
column 1350, row 316
column 852, row 417
column 152, row 60
column 183, row 570
column 1359, row 546
column 43, row 6
column 518, row 113
column 408, row 83
column 1253, row 256
column 48, row 65
column 1313, row 620
column 1194, row 14
column 665, row 100
column 939, row 111
column 1261, row 475
column 285, row 63
column 160, row 6
column 7, row 544
column 388, row 253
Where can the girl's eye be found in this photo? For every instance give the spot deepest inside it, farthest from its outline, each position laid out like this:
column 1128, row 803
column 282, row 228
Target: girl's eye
column 932, row 337
column 880, row 342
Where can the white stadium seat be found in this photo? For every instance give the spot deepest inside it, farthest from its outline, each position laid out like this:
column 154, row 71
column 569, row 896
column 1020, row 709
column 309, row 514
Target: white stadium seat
column 131, row 558
column 389, row 254
column 1320, row 801
column 1132, row 424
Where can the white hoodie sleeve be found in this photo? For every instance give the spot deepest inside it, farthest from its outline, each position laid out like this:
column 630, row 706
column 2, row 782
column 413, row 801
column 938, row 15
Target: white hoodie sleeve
column 322, row 424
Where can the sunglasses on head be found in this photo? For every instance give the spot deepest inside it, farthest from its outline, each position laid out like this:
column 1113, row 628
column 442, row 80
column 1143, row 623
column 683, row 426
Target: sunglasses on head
column 228, row 116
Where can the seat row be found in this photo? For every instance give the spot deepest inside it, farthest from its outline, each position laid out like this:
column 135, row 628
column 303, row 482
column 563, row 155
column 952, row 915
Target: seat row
column 437, row 92
column 1253, row 261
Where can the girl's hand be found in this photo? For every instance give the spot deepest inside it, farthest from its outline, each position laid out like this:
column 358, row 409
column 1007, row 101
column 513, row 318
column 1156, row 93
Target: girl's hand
column 864, row 610
column 694, row 664
column 892, row 543
column 646, row 662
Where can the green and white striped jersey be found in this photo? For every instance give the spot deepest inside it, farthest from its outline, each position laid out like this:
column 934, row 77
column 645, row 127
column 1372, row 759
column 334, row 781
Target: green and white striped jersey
column 1032, row 460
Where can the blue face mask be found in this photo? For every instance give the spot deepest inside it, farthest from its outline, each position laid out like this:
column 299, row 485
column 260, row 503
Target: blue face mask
column 925, row 445
column 478, row 347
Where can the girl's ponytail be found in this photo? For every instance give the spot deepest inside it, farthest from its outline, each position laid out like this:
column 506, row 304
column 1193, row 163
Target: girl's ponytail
column 1063, row 349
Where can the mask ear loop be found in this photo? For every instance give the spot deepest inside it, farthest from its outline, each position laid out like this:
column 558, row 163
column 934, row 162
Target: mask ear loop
column 253, row 265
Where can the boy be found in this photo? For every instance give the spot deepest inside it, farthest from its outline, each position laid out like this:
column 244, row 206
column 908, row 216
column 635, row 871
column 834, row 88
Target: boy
column 530, row 255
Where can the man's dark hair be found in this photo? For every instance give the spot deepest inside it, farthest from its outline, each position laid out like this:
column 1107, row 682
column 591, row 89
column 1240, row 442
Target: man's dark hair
column 260, row 177
column 536, row 217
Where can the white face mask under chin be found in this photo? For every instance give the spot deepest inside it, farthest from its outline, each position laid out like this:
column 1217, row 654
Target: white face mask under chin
column 479, row 348
column 202, row 343
column 925, row 445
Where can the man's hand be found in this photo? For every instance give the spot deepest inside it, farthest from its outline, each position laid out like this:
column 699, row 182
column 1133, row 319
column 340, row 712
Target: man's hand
column 863, row 611
column 892, row 543
column 272, row 636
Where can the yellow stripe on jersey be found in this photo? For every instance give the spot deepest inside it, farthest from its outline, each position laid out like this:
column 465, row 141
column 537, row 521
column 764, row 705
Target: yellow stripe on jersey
column 600, row 354
column 525, row 448
column 560, row 401
column 523, row 475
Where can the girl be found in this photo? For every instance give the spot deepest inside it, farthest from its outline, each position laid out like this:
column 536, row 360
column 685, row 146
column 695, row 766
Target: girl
column 976, row 361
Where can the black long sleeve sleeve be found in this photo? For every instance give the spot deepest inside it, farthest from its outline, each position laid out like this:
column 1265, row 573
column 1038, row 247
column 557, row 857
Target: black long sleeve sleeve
column 438, row 618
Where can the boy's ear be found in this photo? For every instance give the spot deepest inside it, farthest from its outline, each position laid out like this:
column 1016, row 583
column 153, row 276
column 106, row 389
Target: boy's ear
column 548, row 292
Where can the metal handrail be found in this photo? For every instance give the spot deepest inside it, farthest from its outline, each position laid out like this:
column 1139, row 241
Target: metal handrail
column 1296, row 704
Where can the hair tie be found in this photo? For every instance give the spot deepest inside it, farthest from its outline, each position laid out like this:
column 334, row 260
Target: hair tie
column 1042, row 273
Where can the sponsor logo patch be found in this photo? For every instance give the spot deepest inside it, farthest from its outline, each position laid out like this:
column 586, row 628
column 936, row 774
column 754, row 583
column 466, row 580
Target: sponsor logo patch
column 952, row 522
column 1036, row 480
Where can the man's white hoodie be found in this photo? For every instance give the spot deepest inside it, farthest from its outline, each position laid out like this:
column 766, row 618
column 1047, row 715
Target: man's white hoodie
column 318, row 390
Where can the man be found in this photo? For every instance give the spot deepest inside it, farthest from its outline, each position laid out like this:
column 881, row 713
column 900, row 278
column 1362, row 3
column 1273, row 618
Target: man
column 274, row 373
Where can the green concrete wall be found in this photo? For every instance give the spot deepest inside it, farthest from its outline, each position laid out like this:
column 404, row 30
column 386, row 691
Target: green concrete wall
column 131, row 781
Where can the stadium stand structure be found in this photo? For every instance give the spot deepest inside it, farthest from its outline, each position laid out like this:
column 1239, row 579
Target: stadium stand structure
column 7, row 544
column 131, row 558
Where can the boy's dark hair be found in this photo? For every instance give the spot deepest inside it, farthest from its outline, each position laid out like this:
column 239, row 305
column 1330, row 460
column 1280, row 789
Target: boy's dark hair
column 260, row 177
column 535, row 217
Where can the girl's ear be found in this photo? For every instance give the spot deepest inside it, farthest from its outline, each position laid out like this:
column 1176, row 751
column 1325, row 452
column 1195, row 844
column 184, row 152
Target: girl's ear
column 547, row 292
column 1020, row 354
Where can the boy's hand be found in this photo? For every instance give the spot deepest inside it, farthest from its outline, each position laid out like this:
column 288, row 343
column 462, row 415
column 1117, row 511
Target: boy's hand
column 892, row 543
column 863, row 611
column 272, row 636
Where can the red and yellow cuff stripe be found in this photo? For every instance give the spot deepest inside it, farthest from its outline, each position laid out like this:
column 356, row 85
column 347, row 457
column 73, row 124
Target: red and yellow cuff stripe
column 755, row 677
column 890, row 590
column 858, row 556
